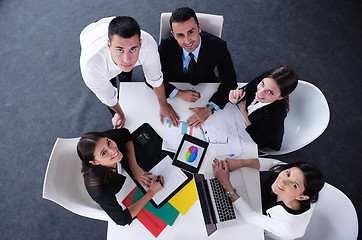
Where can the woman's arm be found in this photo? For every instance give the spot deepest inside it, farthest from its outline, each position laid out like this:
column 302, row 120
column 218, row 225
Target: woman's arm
column 261, row 164
column 154, row 188
column 279, row 226
column 139, row 174
column 240, row 163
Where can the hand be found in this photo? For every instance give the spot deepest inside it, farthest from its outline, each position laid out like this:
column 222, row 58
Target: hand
column 167, row 111
column 200, row 116
column 221, row 172
column 141, row 176
column 232, row 163
column 188, row 95
column 156, row 186
column 235, row 95
column 118, row 120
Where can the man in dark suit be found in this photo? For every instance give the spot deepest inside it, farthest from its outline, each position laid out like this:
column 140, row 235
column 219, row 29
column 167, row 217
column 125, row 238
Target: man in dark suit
column 190, row 55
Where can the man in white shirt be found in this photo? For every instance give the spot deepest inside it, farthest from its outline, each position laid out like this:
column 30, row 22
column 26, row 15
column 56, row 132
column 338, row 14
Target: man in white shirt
column 114, row 45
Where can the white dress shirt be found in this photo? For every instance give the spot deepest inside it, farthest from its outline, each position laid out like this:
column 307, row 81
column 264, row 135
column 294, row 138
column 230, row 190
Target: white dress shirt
column 98, row 68
column 279, row 224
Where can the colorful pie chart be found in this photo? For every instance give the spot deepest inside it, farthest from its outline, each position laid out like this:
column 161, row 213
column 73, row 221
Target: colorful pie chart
column 191, row 154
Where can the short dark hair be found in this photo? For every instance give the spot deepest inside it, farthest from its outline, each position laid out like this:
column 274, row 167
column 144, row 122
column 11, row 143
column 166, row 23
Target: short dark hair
column 182, row 15
column 123, row 26
column 313, row 179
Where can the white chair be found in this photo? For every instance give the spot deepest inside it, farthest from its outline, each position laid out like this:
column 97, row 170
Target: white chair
column 63, row 183
column 334, row 217
column 307, row 118
column 209, row 23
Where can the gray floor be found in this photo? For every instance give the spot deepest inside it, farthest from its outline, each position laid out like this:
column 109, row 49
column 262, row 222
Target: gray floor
column 43, row 96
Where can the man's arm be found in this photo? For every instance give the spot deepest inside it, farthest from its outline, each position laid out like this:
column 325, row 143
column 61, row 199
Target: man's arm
column 166, row 109
column 119, row 118
column 227, row 76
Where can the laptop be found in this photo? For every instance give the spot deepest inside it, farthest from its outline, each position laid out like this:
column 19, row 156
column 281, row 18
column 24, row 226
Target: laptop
column 217, row 208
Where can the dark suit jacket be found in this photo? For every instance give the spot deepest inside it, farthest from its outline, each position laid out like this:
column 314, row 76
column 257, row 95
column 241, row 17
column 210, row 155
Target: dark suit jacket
column 267, row 123
column 105, row 194
column 213, row 53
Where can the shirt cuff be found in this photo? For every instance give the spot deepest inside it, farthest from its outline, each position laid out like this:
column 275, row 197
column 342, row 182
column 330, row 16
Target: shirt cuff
column 215, row 106
column 173, row 93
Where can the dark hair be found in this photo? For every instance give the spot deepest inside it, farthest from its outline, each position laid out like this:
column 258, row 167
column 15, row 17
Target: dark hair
column 93, row 175
column 287, row 80
column 182, row 15
column 123, row 26
column 313, row 179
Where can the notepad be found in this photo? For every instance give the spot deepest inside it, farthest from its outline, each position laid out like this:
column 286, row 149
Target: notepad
column 173, row 177
column 166, row 213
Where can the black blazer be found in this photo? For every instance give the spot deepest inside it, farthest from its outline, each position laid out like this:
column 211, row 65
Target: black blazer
column 105, row 194
column 267, row 123
column 213, row 53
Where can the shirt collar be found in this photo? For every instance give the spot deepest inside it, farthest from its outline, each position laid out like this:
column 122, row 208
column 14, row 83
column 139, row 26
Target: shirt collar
column 195, row 52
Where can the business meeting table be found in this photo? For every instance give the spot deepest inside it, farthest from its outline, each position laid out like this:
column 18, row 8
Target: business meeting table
column 140, row 105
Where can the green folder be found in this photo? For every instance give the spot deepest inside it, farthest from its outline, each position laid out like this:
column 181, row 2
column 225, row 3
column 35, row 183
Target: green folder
column 166, row 213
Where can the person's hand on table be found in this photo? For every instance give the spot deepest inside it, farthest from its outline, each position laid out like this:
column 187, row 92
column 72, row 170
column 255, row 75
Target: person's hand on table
column 141, row 176
column 188, row 95
column 156, row 186
column 118, row 120
column 232, row 163
column 200, row 116
column 221, row 171
column 167, row 111
column 235, row 95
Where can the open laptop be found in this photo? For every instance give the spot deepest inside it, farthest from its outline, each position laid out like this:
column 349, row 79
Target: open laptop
column 217, row 208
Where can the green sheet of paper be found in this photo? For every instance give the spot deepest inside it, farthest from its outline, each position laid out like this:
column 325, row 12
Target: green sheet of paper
column 166, row 213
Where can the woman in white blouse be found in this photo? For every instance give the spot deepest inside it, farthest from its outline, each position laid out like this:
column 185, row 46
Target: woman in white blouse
column 288, row 194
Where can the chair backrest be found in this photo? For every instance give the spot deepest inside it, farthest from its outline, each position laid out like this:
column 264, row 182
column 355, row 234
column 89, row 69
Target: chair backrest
column 209, row 23
column 307, row 118
column 334, row 217
column 63, row 183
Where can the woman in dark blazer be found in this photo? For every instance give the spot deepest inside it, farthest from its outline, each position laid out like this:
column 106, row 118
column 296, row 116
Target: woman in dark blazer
column 101, row 154
column 265, row 103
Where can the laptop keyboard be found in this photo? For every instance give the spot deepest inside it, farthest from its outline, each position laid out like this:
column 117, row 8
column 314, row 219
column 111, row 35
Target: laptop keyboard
column 223, row 203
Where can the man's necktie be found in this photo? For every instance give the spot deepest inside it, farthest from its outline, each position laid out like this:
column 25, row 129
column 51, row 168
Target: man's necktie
column 191, row 70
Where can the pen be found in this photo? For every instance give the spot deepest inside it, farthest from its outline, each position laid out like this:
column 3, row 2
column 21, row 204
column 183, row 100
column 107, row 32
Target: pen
column 158, row 179
column 203, row 133
column 243, row 88
column 193, row 89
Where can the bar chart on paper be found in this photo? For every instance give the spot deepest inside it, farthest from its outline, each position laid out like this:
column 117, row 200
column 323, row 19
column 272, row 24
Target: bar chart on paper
column 172, row 135
column 183, row 127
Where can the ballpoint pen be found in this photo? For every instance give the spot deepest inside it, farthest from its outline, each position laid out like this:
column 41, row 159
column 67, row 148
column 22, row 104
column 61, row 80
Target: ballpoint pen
column 158, row 179
column 243, row 88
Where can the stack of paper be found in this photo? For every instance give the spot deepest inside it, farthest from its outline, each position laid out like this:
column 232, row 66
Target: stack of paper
column 156, row 219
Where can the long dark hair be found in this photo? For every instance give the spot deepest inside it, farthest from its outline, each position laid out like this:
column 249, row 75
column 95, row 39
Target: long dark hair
column 313, row 179
column 93, row 175
column 287, row 80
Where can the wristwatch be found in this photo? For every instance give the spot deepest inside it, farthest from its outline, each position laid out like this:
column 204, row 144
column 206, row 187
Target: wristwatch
column 210, row 107
column 229, row 194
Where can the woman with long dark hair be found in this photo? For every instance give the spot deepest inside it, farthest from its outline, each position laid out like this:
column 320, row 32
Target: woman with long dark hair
column 288, row 192
column 104, row 155
column 264, row 104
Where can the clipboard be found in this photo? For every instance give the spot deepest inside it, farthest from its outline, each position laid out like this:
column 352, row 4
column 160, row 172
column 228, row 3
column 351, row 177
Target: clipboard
column 147, row 144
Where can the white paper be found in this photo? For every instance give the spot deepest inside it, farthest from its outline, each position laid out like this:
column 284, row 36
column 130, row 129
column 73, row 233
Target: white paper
column 173, row 177
column 225, row 130
column 172, row 135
